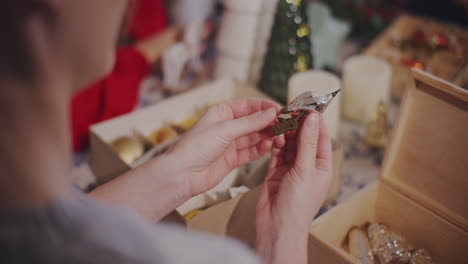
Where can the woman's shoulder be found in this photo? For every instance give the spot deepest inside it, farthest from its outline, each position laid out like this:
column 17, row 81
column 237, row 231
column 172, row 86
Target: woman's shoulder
column 87, row 231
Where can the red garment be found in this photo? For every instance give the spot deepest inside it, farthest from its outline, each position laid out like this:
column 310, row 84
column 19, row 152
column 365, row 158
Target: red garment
column 149, row 18
column 117, row 93
column 112, row 96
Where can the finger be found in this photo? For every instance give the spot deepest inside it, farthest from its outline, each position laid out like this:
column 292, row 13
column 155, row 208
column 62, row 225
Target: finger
column 291, row 146
column 307, row 142
column 279, row 142
column 324, row 148
column 266, row 145
column 233, row 129
column 216, row 113
column 245, row 107
column 254, row 138
column 247, row 155
column 236, row 109
column 277, row 152
column 267, row 193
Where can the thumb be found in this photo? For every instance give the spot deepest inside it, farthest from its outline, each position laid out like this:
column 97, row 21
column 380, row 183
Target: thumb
column 308, row 142
column 248, row 124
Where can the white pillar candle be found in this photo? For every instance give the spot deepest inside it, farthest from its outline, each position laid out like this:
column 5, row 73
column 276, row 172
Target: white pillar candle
column 237, row 32
column 366, row 81
column 232, row 67
column 319, row 81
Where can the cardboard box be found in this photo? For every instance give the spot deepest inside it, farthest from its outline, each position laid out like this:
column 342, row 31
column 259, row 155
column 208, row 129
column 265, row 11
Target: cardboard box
column 218, row 203
column 250, row 175
column 421, row 192
column 218, row 198
column 107, row 165
column 235, row 217
column 422, row 189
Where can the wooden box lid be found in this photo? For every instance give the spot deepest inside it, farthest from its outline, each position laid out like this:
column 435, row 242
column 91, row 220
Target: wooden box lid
column 427, row 159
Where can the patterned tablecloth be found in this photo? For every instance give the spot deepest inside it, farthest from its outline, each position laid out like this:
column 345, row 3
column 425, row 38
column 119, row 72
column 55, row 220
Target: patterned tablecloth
column 360, row 167
column 361, row 164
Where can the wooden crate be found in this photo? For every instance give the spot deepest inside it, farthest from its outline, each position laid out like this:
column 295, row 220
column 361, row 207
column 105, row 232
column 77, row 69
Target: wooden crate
column 422, row 190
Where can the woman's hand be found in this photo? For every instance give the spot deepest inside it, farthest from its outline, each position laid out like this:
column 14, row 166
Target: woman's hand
column 299, row 175
column 227, row 136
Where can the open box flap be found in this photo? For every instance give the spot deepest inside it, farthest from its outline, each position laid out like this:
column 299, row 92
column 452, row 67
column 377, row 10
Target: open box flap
column 427, row 159
column 234, row 218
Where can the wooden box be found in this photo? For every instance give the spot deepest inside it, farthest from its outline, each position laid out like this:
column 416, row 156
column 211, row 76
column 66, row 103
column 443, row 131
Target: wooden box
column 440, row 63
column 422, row 190
column 216, row 213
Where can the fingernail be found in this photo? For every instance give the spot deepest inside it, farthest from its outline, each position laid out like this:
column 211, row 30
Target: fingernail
column 312, row 121
column 268, row 114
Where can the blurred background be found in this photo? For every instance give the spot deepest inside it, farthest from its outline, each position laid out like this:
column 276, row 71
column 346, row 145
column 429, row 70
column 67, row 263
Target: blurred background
column 277, row 49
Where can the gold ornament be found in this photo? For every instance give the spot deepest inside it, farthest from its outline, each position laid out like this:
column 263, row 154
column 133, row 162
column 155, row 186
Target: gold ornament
column 296, row 3
column 377, row 129
column 128, row 148
column 186, row 124
column 301, row 64
column 189, row 122
column 302, row 31
column 191, row 215
column 163, row 134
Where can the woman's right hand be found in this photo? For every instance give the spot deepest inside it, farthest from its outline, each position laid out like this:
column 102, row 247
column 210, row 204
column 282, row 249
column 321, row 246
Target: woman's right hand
column 298, row 178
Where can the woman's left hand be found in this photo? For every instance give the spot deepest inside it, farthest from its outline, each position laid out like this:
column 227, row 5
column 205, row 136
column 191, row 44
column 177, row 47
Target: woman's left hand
column 227, row 136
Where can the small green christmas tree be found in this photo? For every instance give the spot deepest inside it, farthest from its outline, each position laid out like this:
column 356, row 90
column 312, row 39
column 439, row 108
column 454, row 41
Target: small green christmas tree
column 289, row 49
